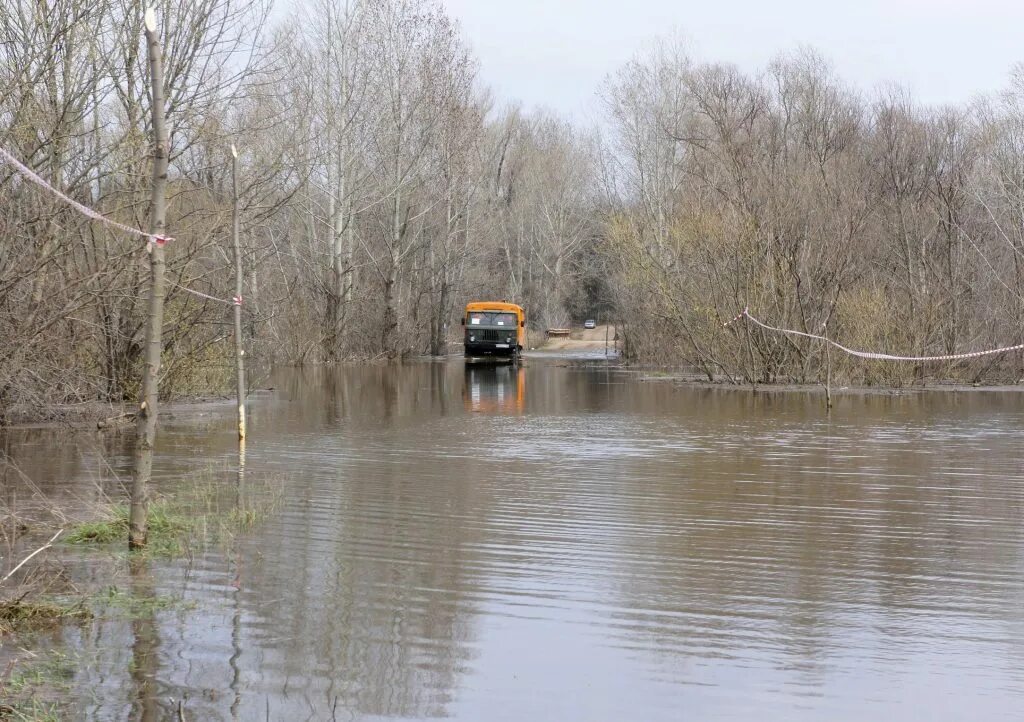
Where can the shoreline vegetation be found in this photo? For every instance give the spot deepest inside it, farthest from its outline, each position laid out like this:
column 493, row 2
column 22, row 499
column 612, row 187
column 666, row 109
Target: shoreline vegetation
column 45, row 595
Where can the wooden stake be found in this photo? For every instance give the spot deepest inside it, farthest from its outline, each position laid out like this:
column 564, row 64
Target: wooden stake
column 236, row 245
column 828, row 374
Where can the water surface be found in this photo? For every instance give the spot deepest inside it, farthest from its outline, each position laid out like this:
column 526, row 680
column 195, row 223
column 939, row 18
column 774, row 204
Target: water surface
column 569, row 542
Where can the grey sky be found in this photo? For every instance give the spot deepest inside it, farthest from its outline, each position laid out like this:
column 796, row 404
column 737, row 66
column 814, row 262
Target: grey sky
column 555, row 53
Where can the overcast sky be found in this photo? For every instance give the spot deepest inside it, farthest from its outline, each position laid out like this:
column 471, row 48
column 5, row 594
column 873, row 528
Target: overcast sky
column 555, row 53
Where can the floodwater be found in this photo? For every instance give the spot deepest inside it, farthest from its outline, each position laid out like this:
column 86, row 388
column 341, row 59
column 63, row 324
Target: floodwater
column 570, row 542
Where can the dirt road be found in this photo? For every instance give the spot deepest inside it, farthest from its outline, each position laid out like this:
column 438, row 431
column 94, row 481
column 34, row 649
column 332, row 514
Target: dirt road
column 581, row 339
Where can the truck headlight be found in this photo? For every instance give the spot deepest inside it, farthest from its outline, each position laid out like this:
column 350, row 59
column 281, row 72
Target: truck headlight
column 472, row 338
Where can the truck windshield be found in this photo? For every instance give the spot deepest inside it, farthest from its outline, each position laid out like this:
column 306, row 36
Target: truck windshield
column 491, row 318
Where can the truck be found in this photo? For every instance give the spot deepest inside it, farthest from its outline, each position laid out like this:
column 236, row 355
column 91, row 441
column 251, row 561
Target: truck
column 494, row 329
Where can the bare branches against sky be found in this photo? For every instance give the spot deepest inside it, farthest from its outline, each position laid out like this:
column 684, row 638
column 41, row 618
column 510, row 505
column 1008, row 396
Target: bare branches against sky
column 554, row 53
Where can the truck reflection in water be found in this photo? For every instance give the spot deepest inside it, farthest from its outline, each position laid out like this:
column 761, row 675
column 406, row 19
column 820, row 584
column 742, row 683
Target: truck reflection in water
column 494, row 389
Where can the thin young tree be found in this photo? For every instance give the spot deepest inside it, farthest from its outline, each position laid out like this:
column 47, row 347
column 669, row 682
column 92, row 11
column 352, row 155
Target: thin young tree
column 148, row 409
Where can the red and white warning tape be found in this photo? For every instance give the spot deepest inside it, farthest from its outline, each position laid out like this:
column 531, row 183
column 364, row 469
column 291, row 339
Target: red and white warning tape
column 235, row 300
column 735, row 318
column 86, row 211
column 871, row 354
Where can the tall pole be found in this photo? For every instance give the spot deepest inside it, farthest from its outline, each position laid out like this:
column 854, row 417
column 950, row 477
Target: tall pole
column 828, row 370
column 828, row 378
column 236, row 245
column 147, row 417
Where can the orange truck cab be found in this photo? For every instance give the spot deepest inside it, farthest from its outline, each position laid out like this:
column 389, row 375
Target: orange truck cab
column 494, row 328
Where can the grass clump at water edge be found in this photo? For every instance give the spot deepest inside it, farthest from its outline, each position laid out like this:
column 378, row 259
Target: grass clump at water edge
column 17, row 614
column 166, row 529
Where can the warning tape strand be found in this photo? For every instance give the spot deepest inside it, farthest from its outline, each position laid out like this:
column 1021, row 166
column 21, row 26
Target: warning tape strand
column 871, row 354
column 88, row 212
column 235, row 300
column 85, row 210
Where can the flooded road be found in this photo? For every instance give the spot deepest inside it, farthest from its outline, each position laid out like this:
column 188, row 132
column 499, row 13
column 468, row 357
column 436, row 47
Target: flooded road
column 572, row 543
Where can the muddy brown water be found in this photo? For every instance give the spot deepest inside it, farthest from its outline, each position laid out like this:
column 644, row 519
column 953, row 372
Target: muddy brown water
column 567, row 542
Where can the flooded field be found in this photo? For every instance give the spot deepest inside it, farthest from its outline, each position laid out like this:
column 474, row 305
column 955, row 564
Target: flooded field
column 566, row 542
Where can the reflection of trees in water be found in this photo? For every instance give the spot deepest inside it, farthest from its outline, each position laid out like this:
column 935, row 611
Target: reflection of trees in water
column 145, row 645
column 121, row 657
column 371, row 572
column 380, row 392
column 353, row 598
column 373, row 610
column 241, row 504
column 68, row 468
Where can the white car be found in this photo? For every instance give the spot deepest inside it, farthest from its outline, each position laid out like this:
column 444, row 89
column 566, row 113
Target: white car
column 590, row 323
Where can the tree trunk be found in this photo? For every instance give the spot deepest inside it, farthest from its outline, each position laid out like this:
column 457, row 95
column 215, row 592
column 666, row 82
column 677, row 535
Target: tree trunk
column 147, row 418
column 390, row 309
column 439, row 336
column 390, row 316
column 337, row 293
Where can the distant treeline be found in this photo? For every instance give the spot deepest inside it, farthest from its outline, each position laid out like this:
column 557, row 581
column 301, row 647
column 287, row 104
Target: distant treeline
column 870, row 219
column 382, row 187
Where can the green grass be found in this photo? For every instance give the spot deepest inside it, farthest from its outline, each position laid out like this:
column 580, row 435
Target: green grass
column 26, row 691
column 31, row 711
column 18, row 615
column 97, row 532
column 199, row 513
column 53, row 671
column 132, row 606
column 167, row 529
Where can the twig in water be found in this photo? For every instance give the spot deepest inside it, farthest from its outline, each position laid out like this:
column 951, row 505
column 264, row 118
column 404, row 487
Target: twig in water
column 46, row 546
